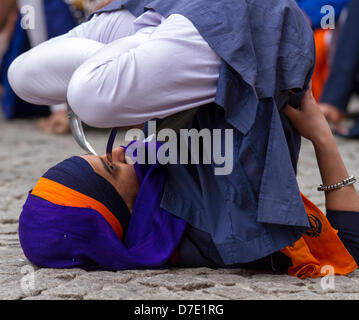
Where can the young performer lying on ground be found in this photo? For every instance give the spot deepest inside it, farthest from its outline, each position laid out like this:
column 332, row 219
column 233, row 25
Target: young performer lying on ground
column 85, row 213
column 136, row 60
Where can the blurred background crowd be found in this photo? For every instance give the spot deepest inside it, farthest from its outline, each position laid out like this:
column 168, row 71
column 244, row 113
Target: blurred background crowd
column 335, row 79
column 51, row 18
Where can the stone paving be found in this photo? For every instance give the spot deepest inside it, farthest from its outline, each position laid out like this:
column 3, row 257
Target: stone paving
column 25, row 154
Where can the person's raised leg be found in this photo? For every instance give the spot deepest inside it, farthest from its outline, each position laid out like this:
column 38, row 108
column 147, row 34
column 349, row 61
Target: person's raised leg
column 42, row 74
column 173, row 70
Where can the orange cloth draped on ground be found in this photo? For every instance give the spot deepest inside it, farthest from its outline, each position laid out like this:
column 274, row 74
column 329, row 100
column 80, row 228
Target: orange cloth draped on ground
column 320, row 246
column 321, row 71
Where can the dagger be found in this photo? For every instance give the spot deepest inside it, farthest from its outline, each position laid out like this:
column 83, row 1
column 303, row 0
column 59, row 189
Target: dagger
column 78, row 131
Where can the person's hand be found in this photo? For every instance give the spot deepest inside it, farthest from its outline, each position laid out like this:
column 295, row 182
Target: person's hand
column 332, row 114
column 309, row 119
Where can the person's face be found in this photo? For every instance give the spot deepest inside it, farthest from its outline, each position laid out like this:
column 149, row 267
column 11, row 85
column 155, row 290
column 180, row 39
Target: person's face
column 120, row 174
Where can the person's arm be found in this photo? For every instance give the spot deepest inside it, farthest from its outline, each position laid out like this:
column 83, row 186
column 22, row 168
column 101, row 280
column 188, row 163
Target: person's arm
column 7, row 7
column 42, row 74
column 7, row 31
column 311, row 124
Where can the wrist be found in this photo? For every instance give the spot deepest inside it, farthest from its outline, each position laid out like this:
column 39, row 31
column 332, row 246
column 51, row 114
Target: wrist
column 324, row 141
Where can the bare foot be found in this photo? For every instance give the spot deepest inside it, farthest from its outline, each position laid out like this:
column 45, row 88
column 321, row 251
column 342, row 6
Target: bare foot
column 57, row 123
column 341, row 130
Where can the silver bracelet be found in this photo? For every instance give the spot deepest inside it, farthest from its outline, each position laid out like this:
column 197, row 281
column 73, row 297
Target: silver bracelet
column 346, row 182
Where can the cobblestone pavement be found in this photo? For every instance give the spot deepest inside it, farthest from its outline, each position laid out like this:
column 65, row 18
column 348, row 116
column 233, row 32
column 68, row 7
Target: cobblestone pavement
column 26, row 153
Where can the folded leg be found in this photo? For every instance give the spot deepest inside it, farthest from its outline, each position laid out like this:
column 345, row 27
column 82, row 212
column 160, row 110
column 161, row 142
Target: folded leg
column 173, row 70
column 41, row 75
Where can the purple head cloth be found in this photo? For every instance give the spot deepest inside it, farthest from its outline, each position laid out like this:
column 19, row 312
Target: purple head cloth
column 66, row 237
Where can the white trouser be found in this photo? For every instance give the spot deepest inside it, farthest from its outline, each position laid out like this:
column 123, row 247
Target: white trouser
column 115, row 70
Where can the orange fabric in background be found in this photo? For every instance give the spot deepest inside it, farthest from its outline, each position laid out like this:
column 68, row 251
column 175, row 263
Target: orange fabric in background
column 63, row 196
column 102, row 4
column 321, row 71
column 318, row 247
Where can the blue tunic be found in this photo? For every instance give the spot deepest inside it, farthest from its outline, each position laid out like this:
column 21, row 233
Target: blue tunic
column 267, row 51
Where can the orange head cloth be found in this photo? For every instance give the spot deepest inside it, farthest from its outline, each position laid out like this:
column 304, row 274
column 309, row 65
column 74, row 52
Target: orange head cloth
column 319, row 249
column 61, row 195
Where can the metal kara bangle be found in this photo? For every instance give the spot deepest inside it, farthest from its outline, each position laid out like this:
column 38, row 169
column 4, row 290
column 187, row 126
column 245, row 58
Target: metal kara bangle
column 346, row 182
